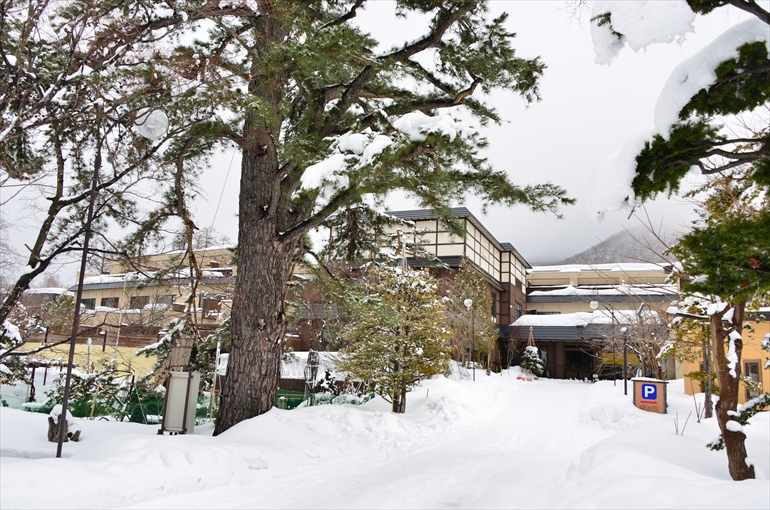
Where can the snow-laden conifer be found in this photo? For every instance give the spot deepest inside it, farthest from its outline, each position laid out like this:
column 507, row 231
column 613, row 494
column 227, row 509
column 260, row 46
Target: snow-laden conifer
column 398, row 336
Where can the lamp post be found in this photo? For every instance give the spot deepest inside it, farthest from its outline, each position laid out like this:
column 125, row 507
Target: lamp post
column 624, row 331
column 469, row 304
column 594, row 305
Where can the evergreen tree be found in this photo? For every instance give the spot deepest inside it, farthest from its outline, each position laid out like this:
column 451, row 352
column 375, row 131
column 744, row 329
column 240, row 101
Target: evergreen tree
column 531, row 362
column 726, row 253
column 728, row 250
column 475, row 325
column 703, row 135
column 398, row 336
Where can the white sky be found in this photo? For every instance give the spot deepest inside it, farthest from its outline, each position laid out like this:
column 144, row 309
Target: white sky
column 587, row 113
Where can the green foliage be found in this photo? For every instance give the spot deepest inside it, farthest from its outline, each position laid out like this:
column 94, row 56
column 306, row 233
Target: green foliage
column 398, row 336
column 470, row 284
column 531, row 362
column 663, row 163
column 101, row 390
column 742, row 84
column 359, row 234
column 706, row 6
column 177, row 329
column 730, row 248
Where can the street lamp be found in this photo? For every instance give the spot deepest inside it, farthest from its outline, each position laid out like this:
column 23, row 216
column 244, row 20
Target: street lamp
column 624, row 332
column 469, row 305
column 594, row 305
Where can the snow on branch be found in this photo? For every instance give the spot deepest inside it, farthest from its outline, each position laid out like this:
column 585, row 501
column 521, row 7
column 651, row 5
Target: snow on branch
column 699, row 71
column 637, row 24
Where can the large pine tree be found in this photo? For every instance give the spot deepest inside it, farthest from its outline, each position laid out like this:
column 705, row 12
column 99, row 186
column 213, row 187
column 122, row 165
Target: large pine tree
column 323, row 119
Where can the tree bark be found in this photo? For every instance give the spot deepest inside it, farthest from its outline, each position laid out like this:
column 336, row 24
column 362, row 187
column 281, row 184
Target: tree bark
column 258, row 324
column 735, row 442
column 708, row 402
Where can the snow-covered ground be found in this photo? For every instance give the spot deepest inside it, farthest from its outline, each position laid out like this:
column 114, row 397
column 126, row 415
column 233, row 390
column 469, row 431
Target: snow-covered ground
column 498, row 442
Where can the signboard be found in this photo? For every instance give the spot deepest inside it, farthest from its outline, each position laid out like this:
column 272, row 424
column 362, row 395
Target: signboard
column 650, row 395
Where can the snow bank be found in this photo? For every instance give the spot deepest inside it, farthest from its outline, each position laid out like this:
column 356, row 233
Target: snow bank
column 652, row 467
column 565, row 443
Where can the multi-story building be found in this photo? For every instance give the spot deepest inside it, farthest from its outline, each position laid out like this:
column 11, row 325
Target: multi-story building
column 501, row 264
column 572, row 310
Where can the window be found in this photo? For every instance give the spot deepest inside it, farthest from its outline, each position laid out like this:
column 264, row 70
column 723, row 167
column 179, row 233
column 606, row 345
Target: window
column 139, row 302
column 752, row 372
column 519, row 310
column 88, row 304
column 110, row 302
column 168, row 299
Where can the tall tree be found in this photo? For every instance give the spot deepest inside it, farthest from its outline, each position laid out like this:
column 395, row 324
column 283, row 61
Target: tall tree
column 728, row 253
column 710, row 116
column 323, row 119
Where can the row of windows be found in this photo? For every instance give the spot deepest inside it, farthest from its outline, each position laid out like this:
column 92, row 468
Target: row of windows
column 135, row 302
column 476, row 246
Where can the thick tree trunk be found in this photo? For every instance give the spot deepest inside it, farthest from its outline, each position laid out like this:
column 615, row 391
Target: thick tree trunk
column 258, row 324
column 735, row 441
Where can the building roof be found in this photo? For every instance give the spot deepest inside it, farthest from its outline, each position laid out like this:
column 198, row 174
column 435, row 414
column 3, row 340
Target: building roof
column 132, row 280
column 459, row 212
column 607, row 293
column 570, row 326
column 623, row 267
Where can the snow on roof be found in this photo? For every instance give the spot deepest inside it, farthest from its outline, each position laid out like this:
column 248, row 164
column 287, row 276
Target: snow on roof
column 137, row 277
column 625, row 267
column 608, row 290
column 47, row 290
column 580, row 318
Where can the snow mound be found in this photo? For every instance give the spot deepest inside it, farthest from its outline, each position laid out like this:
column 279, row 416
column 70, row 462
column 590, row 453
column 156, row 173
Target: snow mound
column 631, row 469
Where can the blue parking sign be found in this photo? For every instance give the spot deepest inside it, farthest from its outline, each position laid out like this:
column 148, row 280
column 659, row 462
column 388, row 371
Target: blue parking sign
column 649, row 392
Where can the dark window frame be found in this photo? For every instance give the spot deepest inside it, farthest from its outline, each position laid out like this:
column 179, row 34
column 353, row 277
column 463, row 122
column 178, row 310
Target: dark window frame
column 135, row 300
column 110, row 302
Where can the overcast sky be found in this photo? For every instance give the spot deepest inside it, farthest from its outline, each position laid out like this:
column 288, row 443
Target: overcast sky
column 587, row 113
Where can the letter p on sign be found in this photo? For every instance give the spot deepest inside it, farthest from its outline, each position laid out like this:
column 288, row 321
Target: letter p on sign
column 649, row 392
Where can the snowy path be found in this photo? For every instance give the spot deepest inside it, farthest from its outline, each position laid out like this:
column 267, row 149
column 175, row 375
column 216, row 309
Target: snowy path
column 511, row 455
column 495, row 443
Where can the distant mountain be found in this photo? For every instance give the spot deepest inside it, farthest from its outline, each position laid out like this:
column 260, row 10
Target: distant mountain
column 636, row 245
